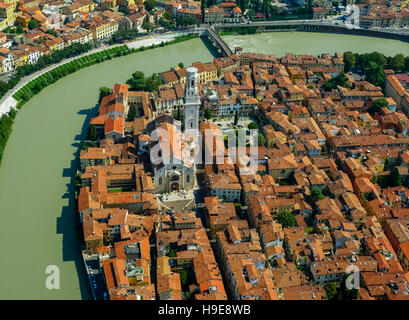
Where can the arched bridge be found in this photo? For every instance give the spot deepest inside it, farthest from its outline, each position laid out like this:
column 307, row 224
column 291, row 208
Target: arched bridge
column 218, row 41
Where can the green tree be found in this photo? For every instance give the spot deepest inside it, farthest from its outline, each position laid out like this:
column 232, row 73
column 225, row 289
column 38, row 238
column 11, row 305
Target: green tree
column 32, row 24
column 331, row 289
column 316, row 194
column 406, row 67
column 395, row 178
column 339, row 80
column 171, row 253
column 377, row 105
column 208, row 113
column 187, row 21
column 398, row 62
column 121, row 35
column 239, row 211
column 4, row 87
column 12, row 113
column 349, row 60
column 261, row 140
column 137, row 81
column 86, row 145
column 151, row 85
column 243, row 4
column 286, row 219
column 376, row 57
column 324, row 149
column 266, row 4
column 346, row 294
column 183, row 277
column 148, row 26
column 92, row 133
column 167, row 23
column 167, row 16
column 387, row 164
column 274, row 11
column 132, row 113
column 19, row 29
column 103, row 91
column 5, row 126
column 252, row 13
column 253, row 126
column 52, row 32
column 150, row 5
column 374, row 74
column 329, row 85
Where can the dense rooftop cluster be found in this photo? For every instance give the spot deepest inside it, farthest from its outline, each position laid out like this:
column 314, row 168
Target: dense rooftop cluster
column 330, row 189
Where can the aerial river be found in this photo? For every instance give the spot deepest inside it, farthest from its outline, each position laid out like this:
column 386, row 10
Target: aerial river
column 36, row 187
column 279, row 43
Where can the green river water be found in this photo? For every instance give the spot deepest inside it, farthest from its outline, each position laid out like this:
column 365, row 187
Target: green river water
column 279, row 43
column 36, row 186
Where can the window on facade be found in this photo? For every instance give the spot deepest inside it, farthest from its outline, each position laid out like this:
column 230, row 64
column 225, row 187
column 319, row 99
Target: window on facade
column 188, row 178
column 160, row 180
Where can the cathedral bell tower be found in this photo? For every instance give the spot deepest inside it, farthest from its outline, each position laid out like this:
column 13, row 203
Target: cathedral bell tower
column 192, row 100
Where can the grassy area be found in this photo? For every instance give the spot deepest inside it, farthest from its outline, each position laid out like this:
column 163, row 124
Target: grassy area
column 309, row 230
column 115, row 190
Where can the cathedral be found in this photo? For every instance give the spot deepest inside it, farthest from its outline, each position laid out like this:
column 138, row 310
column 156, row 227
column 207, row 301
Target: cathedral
column 179, row 171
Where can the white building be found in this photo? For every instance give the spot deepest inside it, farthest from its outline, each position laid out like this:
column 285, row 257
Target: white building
column 192, row 100
column 33, row 56
column 174, row 170
column 174, row 151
